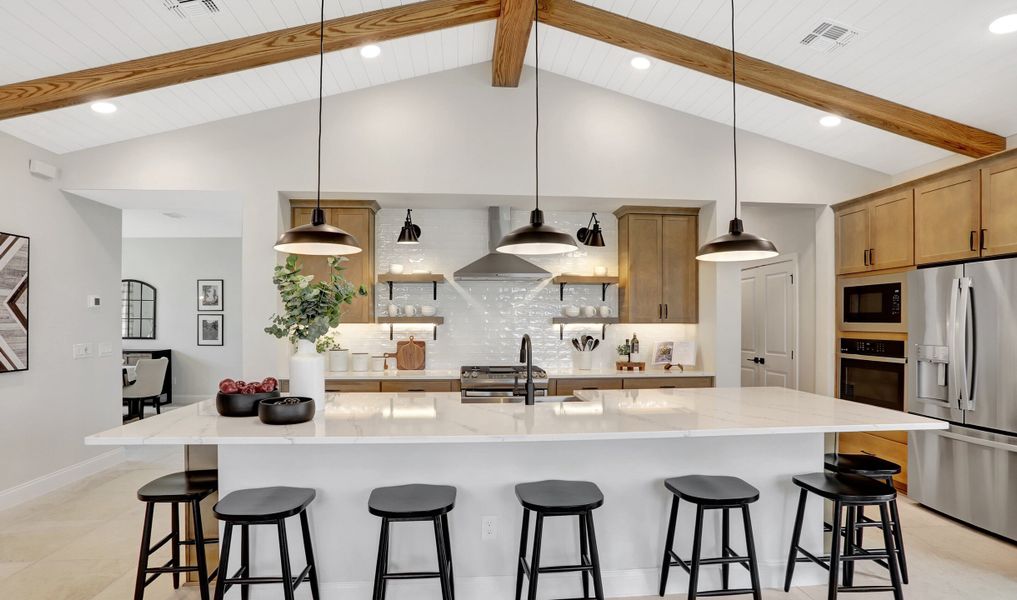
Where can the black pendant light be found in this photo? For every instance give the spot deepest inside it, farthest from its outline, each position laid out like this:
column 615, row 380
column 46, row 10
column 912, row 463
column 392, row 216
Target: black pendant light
column 537, row 238
column 410, row 233
column 591, row 235
column 319, row 238
column 736, row 245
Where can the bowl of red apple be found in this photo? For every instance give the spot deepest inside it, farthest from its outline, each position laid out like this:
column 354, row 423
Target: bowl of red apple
column 239, row 398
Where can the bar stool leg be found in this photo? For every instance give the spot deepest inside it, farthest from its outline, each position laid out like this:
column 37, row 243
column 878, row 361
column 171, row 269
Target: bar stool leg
column 796, row 536
column 448, row 554
column 697, row 543
column 312, row 575
column 750, row 549
column 146, row 543
column 381, row 569
column 538, row 530
column 598, row 584
column 668, row 545
column 898, row 592
column 522, row 553
column 175, row 541
column 898, row 537
column 284, row 559
column 224, row 559
column 439, row 543
column 245, row 560
column 584, row 554
column 835, row 553
column 725, row 543
column 199, row 550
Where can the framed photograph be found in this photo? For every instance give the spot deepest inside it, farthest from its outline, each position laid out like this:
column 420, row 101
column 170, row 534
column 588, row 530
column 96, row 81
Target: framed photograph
column 210, row 295
column 210, row 330
column 13, row 303
column 663, row 353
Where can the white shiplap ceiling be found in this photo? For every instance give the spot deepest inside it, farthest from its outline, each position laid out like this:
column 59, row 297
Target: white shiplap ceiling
column 934, row 55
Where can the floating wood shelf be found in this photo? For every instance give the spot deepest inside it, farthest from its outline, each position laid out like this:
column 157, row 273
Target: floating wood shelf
column 433, row 278
column 602, row 280
column 561, row 322
column 392, row 321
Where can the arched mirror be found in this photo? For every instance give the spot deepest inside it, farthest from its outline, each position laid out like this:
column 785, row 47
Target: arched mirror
column 137, row 310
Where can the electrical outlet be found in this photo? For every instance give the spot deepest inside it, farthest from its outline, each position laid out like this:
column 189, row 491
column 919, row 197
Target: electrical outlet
column 105, row 348
column 86, row 350
column 488, row 528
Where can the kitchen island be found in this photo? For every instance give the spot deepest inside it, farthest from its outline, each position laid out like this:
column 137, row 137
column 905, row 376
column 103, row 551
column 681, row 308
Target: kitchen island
column 627, row 441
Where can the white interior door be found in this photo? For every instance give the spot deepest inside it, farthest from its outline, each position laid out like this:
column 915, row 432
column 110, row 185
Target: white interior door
column 770, row 325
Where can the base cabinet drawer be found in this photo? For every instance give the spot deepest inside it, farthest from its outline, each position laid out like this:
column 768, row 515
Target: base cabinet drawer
column 877, row 445
column 428, row 385
column 565, row 387
column 649, row 383
column 351, row 387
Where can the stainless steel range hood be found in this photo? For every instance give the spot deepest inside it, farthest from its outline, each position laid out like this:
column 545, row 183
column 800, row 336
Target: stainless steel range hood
column 496, row 266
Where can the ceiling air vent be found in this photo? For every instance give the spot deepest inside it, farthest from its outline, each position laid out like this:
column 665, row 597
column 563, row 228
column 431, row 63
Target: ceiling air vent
column 829, row 35
column 189, row 9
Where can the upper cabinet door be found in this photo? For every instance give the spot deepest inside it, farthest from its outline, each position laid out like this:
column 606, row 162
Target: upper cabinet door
column 947, row 218
column 999, row 208
column 853, row 239
column 359, row 267
column 681, row 269
column 892, row 231
column 643, row 295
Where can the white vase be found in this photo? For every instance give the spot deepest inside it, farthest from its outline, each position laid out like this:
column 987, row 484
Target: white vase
column 307, row 374
column 339, row 360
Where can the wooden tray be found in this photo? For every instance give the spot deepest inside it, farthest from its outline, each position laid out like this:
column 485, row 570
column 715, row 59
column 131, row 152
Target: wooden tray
column 622, row 365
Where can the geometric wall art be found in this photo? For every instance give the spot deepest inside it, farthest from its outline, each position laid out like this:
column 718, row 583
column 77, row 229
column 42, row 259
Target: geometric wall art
column 13, row 303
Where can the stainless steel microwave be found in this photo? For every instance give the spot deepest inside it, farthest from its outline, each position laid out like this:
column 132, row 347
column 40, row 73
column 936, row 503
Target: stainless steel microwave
column 872, row 303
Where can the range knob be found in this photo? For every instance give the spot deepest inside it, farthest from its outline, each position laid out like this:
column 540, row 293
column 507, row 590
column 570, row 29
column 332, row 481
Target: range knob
column 475, row 373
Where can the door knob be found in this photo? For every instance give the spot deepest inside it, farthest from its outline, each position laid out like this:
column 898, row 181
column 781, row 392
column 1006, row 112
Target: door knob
column 755, row 359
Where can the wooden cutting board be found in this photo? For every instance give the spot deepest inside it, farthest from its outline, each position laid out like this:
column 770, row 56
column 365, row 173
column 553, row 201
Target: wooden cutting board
column 410, row 355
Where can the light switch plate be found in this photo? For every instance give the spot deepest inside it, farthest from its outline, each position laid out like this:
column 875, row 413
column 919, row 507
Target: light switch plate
column 85, row 350
column 105, row 348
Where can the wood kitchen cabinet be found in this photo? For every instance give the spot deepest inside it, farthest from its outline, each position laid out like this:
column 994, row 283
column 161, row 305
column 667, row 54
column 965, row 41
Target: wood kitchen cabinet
column 876, row 234
column 357, row 218
column 653, row 383
column 998, row 233
column 657, row 268
column 948, row 217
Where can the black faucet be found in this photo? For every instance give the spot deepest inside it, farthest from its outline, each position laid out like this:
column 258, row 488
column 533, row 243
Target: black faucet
column 526, row 356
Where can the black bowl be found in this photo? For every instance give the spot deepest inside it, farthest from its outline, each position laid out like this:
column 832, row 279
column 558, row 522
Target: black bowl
column 241, row 405
column 273, row 412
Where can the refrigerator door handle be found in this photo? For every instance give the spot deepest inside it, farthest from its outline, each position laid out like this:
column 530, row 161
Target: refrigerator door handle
column 969, row 289
column 953, row 375
column 978, row 441
column 965, row 381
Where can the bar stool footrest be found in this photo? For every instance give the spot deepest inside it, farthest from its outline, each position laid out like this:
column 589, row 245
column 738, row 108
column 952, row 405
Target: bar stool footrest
column 678, row 561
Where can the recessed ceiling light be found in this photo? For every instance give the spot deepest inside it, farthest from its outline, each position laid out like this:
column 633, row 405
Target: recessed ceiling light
column 830, row 121
column 370, row 51
column 104, row 108
column 1004, row 24
column 640, row 62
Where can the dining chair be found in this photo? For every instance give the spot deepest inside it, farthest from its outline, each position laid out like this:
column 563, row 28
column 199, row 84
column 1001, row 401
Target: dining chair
column 151, row 372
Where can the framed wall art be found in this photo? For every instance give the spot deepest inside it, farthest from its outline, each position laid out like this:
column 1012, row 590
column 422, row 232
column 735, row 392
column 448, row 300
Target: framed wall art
column 14, row 261
column 210, row 295
column 210, row 330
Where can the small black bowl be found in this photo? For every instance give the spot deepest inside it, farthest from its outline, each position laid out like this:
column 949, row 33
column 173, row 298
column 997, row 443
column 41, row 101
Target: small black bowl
column 273, row 412
column 241, row 405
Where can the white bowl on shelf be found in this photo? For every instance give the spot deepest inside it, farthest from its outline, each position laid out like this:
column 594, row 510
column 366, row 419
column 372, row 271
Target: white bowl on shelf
column 428, row 311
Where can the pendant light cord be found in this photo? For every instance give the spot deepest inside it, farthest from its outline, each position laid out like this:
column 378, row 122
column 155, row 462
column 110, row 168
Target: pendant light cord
column 734, row 108
column 321, row 90
column 536, row 104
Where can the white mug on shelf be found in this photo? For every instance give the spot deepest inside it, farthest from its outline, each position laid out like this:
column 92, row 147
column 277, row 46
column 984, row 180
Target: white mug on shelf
column 395, row 269
column 600, row 270
column 360, row 361
column 589, row 311
column 571, row 311
column 604, row 311
column 409, row 310
column 393, row 310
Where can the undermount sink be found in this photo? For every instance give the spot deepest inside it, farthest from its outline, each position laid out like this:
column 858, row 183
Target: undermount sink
column 517, row 399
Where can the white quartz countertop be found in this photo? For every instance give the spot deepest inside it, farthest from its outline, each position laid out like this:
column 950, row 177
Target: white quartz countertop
column 416, row 418
column 551, row 373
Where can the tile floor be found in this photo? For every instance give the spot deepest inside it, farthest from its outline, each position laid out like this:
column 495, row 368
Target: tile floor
column 81, row 542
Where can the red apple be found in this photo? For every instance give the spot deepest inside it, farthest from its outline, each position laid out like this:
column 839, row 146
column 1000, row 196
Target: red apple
column 250, row 388
column 224, row 382
column 228, row 387
column 271, row 383
column 241, row 383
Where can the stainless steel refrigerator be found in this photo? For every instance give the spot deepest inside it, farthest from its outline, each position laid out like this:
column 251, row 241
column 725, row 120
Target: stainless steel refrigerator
column 962, row 333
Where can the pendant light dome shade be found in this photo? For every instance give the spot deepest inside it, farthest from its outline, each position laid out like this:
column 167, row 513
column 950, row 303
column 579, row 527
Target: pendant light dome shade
column 537, row 238
column 318, row 239
column 736, row 245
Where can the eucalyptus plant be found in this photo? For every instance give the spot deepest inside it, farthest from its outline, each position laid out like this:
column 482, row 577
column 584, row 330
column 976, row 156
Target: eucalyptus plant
column 310, row 309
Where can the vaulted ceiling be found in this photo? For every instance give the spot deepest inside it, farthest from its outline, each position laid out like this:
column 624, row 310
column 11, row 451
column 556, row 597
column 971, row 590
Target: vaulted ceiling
column 933, row 55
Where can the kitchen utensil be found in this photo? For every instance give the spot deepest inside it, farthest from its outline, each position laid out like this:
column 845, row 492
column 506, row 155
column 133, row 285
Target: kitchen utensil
column 596, row 344
column 575, row 343
column 589, row 311
column 428, row 311
column 411, row 354
column 409, row 310
column 395, row 269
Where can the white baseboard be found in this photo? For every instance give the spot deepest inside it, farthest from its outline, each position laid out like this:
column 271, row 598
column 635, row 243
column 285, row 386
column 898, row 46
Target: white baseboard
column 40, row 486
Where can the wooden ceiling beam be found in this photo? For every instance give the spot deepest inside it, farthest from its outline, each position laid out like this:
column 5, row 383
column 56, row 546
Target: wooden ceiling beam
column 58, row 91
column 707, row 58
column 511, row 36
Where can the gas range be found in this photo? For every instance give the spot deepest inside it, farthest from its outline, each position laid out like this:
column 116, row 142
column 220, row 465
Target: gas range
column 500, row 381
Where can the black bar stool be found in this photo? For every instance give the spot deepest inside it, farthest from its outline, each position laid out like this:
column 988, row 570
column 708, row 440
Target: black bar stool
column 560, row 499
column 883, row 470
column 712, row 492
column 850, row 491
column 188, row 488
column 414, row 502
column 264, row 506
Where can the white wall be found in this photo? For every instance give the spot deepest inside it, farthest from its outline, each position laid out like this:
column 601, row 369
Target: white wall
column 453, row 133
column 75, row 252
column 173, row 266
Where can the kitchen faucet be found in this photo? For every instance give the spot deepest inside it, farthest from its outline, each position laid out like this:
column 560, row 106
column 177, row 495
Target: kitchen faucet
column 526, row 356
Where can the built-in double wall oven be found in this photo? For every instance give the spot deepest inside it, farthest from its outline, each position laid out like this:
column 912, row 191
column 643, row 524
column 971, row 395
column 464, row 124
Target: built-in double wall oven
column 873, row 371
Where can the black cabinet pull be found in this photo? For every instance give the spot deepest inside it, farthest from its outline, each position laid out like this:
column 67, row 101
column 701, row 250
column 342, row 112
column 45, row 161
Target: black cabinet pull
column 971, row 240
column 665, row 311
column 865, row 257
column 872, row 257
column 660, row 311
column 982, row 242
